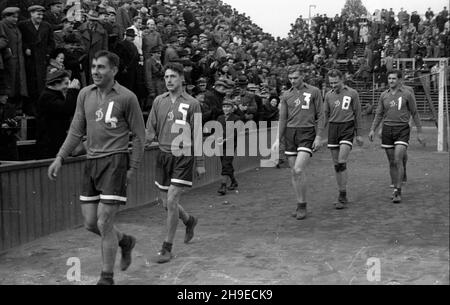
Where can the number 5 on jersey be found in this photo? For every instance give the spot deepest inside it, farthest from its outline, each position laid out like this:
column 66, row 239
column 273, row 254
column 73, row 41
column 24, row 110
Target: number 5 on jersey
column 183, row 109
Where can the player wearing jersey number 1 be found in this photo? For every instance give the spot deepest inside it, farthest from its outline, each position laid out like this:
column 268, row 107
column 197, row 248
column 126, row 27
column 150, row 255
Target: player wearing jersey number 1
column 301, row 109
column 342, row 110
column 397, row 105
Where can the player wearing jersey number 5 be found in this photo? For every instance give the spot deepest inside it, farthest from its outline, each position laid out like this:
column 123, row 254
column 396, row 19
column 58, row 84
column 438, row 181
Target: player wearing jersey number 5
column 343, row 110
column 106, row 113
column 396, row 106
column 172, row 112
column 301, row 109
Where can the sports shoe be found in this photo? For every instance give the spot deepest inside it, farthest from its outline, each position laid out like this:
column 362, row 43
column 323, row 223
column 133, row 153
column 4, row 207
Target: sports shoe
column 301, row 211
column 233, row 186
column 397, row 198
column 339, row 205
column 192, row 222
column 106, row 279
column 164, row 256
column 125, row 261
column 223, row 189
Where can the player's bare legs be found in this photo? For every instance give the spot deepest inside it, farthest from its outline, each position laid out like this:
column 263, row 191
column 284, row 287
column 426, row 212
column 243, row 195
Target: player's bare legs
column 399, row 155
column 183, row 215
column 390, row 153
column 340, row 159
column 298, row 166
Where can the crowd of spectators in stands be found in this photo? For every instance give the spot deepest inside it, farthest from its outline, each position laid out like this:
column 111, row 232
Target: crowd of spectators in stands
column 224, row 54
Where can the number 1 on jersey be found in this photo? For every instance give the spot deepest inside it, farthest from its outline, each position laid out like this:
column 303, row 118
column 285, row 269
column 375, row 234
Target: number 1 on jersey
column 400, row 99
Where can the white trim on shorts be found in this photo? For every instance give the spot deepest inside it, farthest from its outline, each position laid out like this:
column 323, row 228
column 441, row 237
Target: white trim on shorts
column 113, row 197
column 179, row 181
column 304, row 149
column 333, row 145
column 90, row 199
column 346, row 142
column 288, row 153
column 387, row 146
column 164, row 188
column 401, row 143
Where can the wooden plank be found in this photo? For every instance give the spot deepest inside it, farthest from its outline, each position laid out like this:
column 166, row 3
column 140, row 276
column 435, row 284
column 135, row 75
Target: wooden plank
column 26, row 208
column 51, row 189
column 37, row 203
column 44, row 198
column 59, row 212
column 5, row 242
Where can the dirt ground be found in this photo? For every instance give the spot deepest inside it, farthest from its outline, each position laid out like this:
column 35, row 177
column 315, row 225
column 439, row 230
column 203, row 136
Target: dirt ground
column 249, row 237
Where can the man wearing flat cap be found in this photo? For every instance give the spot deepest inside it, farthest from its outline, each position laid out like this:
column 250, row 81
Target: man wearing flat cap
column 54, row 14
column 154, row 76
column 129, row 60
column 151, row 39
column 12, row 62
column 94, row 39
column 214, row 98
column 247, row 106
column 38, row 43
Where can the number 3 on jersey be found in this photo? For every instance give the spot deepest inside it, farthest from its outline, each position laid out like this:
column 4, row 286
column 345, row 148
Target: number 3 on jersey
column 307, row 100
column 183, row 109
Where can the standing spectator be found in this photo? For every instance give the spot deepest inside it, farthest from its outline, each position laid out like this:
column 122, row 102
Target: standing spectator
column 56, row 106
column 11, row 52
column 137, row 28
column 8, row 127
column 115, row 32
column 54, row 15
column 123, row 15
column 246, row 102
column 94, row 38
column 151, row 39
column 129, row 60
column 415, row 20
column 214, row 98
column 429, row 14
column 38, row 43
column 154, row 76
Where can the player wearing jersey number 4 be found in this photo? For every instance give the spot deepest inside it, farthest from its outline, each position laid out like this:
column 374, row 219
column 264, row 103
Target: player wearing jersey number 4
column 301, row 109
column 106, row 113
column 343, row 110
column 172, row 112
column 396, row 106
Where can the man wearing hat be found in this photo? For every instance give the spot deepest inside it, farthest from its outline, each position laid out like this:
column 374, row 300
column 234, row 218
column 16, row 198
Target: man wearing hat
column 247, row 107
column 56, row 105
column 151, row 39
column 123, row 15
column 54, row 15
column 214, row 98
column 154, row 76
column 38, row 43
column 227, row 153
column 115, row 32
column 11, row 56
column 94, row 38
column 129, row 61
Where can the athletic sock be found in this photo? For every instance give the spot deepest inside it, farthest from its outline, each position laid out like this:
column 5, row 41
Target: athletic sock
column 167, row 246
column 189, row 221
column 125, row 241
column 107, row 276
column 343, row 193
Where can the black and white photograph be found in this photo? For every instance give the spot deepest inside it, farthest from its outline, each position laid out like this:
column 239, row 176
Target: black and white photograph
column 224, row 148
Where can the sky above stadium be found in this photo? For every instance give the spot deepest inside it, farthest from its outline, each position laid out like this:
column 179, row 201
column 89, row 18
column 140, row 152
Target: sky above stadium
column 275, row 16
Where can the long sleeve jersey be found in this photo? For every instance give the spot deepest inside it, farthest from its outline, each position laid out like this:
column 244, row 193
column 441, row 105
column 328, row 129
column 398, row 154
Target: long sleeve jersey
column 342, row 107
column 107, row 123
column 397, row 108
column 168, row 120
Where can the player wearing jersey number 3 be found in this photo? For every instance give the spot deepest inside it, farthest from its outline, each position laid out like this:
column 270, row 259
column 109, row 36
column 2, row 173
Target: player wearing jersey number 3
column 343, row 110
column 301, row 109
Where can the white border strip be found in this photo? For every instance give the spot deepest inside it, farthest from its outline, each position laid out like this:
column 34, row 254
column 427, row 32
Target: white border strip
column 113, row 197
column 89, row 199
column 164, row 188
column 184, row 182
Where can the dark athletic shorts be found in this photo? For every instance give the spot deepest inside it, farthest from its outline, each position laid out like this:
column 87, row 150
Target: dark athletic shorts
column 395, row 135
column 105, row 180
column 341, row 134
column 299, row 139
column 172, row 170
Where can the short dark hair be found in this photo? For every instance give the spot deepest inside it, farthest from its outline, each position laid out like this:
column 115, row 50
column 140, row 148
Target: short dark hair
column 174, row 66
column 296, row 68
column 396, row 72
column 335, row 73
column 113, row 59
